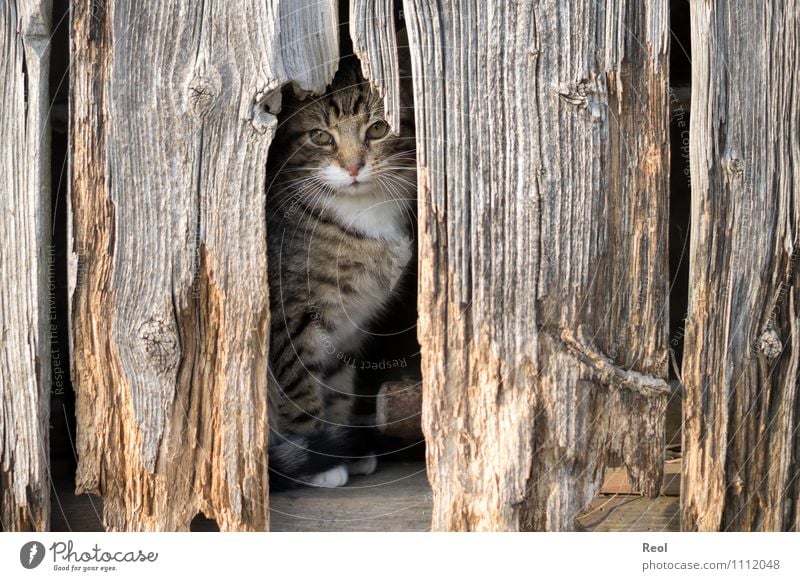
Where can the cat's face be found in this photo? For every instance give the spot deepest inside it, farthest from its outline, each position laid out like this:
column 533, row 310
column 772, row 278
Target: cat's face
column 340, row 143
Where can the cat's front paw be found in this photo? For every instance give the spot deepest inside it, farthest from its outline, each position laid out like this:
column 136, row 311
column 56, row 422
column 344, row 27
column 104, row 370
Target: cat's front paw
column 332, row 478
column 365, row 465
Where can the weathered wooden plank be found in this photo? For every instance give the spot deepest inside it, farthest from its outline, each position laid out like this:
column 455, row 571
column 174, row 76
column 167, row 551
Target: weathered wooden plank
column 26, row 297
column 542, row 146
column 170, row 132
column 309, row 42
column 372, row 28
column 740, row 367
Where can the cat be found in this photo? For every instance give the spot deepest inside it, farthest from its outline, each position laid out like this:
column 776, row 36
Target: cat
column 340, row 214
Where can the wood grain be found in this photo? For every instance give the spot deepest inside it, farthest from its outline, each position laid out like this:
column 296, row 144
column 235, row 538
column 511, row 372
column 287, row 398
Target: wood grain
column 171, row 120
column 309, row 42
column 375, row 41
column 742, row 431
column 543, row 160
column 27, row 299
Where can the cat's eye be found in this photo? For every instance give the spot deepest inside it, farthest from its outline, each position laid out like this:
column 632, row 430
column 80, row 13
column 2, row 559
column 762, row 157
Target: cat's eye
column 377, row 130
column 320, row 137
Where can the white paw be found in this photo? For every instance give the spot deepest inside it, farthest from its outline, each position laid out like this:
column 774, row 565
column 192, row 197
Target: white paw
column 366, row 465
column 332, row 478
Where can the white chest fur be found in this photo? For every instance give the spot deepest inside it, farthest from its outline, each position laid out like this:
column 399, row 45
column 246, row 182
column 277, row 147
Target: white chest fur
column 373, row 215
column 383, row 220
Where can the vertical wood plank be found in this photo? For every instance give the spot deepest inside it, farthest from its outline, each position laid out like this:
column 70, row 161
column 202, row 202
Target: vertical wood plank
column 543, row 159
column 372, row 29
column 172, row 117
column 742, row 431
column 309, row 42
column 25, row 303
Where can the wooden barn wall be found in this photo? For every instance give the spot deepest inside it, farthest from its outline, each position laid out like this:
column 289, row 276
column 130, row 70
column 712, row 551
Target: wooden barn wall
column 742, row 431
column 543, row 206
column 26, row 258
column 543, row 154
column 171, row 119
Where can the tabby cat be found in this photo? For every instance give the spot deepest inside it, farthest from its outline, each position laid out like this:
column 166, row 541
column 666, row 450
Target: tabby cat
column 340, row 201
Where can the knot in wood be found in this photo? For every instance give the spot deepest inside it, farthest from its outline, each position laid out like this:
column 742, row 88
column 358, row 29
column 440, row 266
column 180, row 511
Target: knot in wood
column 203, row 91
column 735, row 166
column 582, row 94
column 265, row 110
column 263, row 120
column 737, row 485
column 770, row 344
column 574, row 93
column 160, row 344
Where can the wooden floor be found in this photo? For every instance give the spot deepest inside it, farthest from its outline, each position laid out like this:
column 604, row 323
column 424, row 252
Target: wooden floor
column 630, row 513
column 396, row 498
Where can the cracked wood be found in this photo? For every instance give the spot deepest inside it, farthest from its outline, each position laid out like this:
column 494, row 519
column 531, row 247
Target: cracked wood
column 742, row 431
column 542, row 145
column 27, row 294
column 172, row 117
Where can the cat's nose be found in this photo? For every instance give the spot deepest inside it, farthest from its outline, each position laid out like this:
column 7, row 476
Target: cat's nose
column 354, row 168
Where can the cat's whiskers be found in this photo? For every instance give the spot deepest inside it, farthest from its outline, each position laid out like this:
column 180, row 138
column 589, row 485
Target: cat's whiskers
column 281, row 176
column 397, row 197
column 395, row 175
column 315, row 193
column 406, row 153
column 292, row 186
column 390, row 183
column 301, row 190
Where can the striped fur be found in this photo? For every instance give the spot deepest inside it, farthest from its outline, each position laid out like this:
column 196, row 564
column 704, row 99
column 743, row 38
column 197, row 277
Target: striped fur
column 339, row 237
